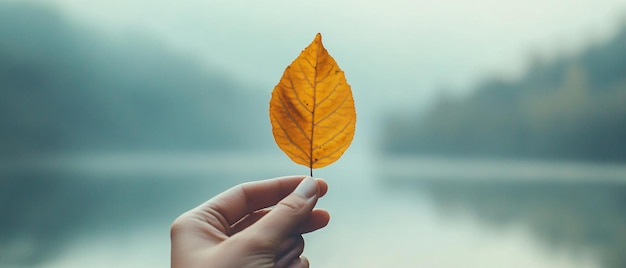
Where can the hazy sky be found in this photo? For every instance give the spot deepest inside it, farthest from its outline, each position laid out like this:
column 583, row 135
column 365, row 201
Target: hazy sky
column 400, row 52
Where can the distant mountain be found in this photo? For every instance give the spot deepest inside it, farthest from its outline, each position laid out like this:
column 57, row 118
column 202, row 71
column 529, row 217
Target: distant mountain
column 64, row 87
column 571, row 108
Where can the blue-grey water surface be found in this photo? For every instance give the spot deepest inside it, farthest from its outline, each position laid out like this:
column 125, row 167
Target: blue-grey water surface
column 115, row 210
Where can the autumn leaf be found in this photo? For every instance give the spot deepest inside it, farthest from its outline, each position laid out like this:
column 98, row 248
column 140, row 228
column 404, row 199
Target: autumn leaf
column 312, row 109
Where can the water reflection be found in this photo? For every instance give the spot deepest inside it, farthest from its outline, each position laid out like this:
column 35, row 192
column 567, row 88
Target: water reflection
column 48, row 210
column 71, row 217
column 77, row 210
column 576, row 217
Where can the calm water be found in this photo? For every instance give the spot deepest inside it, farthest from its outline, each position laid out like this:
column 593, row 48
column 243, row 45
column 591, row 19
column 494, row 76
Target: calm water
column 114, row 210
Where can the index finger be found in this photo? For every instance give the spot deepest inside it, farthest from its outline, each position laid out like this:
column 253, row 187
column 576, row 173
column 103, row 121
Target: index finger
column 243, row 199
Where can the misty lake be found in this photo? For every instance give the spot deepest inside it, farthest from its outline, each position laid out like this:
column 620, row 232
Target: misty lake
column 115, row 210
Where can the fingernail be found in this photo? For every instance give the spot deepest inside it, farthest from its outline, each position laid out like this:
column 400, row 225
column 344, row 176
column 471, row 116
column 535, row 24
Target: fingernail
column 307, row 187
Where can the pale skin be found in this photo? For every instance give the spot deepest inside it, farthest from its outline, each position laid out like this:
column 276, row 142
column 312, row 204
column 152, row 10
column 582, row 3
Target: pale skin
column 237, row 228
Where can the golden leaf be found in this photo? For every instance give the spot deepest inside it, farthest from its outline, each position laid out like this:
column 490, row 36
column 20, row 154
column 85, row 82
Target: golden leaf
column 312, row 109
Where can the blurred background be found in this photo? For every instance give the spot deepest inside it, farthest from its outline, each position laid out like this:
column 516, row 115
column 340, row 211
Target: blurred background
column 489, row 134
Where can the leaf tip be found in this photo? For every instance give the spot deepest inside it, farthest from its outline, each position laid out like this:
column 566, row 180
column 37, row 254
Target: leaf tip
column 318, row 37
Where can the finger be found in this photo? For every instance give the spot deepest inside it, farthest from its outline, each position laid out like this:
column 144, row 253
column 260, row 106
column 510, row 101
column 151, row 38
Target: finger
column 247, row 221
column 322, row 187
column 301, row 262
column 285, row 218
column 318, row 219
column 287, row 245
column 291, row 254
column 241, row 200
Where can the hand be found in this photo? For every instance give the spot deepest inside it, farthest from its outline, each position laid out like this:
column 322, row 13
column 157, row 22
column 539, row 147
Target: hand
column 235, row 228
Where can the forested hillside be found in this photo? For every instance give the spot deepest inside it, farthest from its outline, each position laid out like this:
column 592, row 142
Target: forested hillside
column 572, row 108
column 65, row 87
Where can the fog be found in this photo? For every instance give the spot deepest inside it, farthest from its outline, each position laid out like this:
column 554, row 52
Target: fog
column 396, row 52
column 489, row 134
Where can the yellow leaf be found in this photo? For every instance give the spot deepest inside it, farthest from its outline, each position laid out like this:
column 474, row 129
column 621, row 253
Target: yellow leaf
column 312, row 109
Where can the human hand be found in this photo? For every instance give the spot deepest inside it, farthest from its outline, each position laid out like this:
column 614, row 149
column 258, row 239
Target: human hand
column 235, row 228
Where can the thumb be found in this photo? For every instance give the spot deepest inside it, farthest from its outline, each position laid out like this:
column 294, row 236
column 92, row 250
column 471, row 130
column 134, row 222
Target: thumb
column 283, row 220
